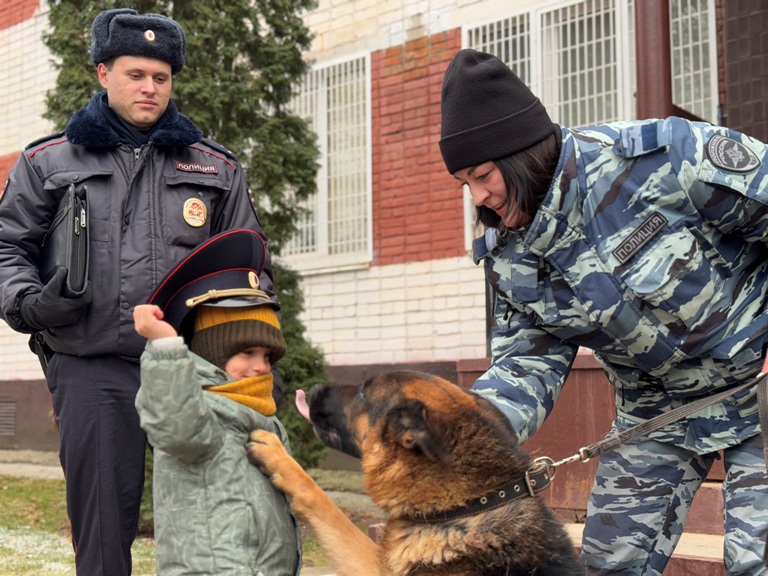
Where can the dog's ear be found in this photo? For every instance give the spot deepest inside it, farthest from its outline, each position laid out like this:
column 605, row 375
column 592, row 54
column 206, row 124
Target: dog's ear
column 411, row 426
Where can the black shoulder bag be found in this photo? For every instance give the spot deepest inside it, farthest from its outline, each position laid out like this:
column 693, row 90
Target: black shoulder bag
column 65, row 245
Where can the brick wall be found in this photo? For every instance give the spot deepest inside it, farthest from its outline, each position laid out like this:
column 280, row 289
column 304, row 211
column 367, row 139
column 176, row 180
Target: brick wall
column 417, row 206
column 25, row 77
column 746, row 66
column 5, row 166
column 14, row 12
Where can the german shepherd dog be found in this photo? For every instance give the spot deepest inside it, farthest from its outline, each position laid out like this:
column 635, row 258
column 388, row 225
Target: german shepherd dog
column 444, row 466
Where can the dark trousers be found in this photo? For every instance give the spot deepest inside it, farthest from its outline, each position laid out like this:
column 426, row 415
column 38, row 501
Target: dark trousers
column 102, row 454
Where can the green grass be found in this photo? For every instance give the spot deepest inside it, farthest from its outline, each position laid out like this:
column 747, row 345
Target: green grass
column 34, row 529
column 34, row 504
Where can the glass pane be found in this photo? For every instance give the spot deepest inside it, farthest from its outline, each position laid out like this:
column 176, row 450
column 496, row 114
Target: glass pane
column 334, row 100
column 580, row 50
column 692, row 45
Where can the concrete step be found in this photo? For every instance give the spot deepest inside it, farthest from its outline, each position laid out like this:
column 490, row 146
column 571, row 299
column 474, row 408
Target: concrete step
column 706, row 514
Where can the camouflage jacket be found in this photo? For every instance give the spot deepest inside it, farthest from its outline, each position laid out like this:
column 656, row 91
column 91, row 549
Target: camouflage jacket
column 651, row 249
column 215, row 512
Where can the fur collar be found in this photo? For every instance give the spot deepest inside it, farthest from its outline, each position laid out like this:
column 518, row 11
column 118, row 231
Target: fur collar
column 89, row 128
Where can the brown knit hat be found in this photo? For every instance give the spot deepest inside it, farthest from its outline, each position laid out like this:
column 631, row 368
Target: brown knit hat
column 220, row 332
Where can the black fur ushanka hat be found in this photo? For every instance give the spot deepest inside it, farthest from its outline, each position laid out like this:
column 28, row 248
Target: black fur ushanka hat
column 125, row 32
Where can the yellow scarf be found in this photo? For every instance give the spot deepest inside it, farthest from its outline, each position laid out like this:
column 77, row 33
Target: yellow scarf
column 254, row 392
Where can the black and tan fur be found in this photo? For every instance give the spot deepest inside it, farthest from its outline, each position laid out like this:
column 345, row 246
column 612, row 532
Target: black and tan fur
column 426, row 446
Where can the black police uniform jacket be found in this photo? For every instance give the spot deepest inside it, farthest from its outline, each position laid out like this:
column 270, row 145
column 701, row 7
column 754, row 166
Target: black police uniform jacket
column 148, row 207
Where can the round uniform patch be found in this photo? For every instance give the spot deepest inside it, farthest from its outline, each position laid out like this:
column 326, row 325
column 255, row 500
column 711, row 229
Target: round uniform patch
column 149, row 36
column 195, row 212
column 728, row 154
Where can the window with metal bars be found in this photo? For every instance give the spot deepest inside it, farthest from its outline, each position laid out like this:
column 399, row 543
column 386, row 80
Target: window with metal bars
column 694, row 57
column 335, row 230
column 579, row 58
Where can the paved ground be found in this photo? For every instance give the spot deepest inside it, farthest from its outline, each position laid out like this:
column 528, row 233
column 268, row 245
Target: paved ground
column 30, row 464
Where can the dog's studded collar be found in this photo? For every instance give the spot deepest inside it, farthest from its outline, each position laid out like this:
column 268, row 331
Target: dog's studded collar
column 536, row 479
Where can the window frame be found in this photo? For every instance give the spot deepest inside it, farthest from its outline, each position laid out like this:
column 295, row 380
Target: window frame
column 320, row 260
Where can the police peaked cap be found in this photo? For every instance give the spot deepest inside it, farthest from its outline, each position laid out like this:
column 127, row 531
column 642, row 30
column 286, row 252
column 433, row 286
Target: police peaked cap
column 125, row 32
column 222, row 271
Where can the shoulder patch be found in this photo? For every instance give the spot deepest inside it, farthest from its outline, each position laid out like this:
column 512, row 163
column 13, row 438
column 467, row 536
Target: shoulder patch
column 44, row 139
column 219, row 147
column 731, row 155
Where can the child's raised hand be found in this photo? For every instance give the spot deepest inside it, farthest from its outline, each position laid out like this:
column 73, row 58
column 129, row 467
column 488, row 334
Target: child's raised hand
column 149, row 322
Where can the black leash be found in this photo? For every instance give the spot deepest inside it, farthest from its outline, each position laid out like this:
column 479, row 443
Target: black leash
column 588, row 452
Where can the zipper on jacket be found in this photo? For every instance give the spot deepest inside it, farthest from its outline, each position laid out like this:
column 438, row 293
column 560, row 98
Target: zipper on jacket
column 136, row 153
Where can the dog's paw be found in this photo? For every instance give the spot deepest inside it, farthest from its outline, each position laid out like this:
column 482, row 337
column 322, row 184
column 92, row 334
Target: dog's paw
column 267, row 452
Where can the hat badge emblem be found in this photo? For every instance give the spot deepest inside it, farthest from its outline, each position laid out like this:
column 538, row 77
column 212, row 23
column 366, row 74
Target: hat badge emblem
column 149, row 35
column 195, row 212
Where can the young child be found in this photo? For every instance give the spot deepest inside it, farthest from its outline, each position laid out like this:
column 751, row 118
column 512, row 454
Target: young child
column 215, row 513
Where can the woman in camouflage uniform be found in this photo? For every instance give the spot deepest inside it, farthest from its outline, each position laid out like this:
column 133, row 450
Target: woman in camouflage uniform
column 646, row 242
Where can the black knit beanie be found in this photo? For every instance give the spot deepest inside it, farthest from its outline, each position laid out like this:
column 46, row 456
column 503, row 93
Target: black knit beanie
column 487, row 112
column 220, row 332
column 125, row 32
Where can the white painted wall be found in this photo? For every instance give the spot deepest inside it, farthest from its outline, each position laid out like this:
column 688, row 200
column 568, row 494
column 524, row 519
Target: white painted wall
column 423, row 311
column 25, row 76
column 344, row 27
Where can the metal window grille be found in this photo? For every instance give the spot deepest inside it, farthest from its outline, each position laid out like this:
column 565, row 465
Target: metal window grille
column 569, row 56
column 580, row 55
column 579, row 58
column 335, row 100
column 7, row 418
column 694, row 57
column 508, row 39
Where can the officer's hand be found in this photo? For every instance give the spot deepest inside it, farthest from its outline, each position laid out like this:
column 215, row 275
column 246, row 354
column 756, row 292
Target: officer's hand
column 50, row 307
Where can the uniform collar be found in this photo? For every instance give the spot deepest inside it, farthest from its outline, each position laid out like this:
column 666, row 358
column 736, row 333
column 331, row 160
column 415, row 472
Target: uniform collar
column 88, row 127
